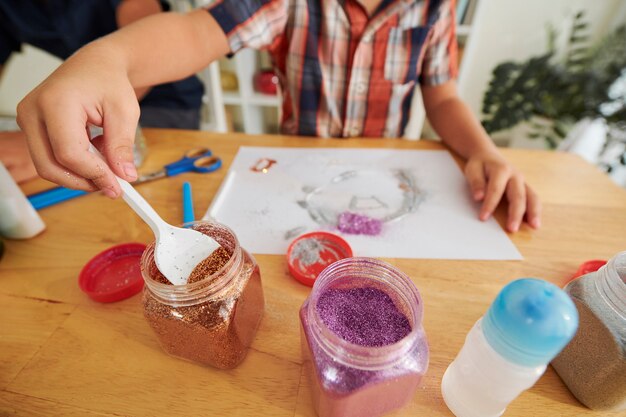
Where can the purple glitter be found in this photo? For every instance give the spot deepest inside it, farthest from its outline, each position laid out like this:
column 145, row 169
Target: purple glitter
column 357, row 224
column 363, row 316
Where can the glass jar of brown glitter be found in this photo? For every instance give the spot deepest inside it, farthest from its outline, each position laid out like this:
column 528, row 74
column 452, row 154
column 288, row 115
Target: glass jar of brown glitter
column 593, row 364
column 213, row 318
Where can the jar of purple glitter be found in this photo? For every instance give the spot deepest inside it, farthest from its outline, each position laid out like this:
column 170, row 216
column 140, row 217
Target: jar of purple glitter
column 363, row 342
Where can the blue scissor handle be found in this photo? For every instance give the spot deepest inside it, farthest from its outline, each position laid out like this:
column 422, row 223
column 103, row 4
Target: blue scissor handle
column 202, row 165
column 186, row 163
column 206, row 164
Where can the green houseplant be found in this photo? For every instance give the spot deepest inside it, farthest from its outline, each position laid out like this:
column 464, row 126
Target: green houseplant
column 552, row 91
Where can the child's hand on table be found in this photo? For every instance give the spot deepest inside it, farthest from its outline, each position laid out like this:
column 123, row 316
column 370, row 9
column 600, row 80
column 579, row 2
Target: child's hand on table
column 492, row 178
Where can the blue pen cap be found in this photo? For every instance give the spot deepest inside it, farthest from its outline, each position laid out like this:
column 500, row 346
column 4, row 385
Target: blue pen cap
column 530, row 322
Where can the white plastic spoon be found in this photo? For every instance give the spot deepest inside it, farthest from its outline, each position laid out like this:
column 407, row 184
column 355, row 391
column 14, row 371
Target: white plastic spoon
column 177, row 251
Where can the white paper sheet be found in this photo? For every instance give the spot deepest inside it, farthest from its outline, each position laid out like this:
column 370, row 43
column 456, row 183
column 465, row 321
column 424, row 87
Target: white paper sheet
column 266, row 209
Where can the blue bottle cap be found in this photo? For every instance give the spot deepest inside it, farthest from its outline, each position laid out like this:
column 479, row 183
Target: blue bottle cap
column 530, row 322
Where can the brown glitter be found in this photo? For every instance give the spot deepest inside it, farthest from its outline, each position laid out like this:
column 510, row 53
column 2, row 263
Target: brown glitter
column 213, row 319
column 204, row 269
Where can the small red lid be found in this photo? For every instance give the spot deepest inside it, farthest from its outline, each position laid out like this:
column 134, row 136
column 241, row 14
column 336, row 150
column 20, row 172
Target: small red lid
column 589, row 266
column 310, row 253
column 114, row 274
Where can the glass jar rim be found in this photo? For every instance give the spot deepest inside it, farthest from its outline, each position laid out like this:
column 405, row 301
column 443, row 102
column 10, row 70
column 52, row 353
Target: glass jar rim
column 195, row 292
column 359, row 356
column 611, row 285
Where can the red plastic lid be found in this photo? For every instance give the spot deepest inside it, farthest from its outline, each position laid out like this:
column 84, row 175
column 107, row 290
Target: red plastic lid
column 113, row 274
column 589, row 266
column 310, row 253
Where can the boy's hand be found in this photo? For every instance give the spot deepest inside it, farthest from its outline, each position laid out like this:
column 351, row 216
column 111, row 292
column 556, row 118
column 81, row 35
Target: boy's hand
column 95, row 86
column 90, row 88
column 490, row 178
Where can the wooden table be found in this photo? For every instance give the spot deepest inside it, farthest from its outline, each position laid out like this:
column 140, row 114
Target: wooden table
column 63, row 354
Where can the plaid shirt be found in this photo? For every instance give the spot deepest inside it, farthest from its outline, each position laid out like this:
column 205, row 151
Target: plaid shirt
column 344, row 73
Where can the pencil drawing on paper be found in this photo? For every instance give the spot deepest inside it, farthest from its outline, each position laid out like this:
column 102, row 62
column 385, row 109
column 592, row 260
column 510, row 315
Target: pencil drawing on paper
column 349, row 203
column 383, row 202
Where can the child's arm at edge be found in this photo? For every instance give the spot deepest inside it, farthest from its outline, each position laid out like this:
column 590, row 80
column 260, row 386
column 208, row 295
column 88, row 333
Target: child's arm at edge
column 489, row 175
column 129, row 11
column 95, row 86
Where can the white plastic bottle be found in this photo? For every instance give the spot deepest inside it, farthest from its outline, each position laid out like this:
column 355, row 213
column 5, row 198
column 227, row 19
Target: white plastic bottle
column 18, row 218
column 509, row 348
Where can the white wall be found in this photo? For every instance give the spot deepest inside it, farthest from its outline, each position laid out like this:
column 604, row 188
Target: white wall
column 23, row 72
column 506, row 30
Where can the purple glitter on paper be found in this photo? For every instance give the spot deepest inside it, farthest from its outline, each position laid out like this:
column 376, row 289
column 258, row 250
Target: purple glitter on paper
column 363, row 316
column 357, row 224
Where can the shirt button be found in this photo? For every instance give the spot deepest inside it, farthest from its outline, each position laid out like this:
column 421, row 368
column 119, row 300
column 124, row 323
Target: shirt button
column 361, row 87
column 367, row 38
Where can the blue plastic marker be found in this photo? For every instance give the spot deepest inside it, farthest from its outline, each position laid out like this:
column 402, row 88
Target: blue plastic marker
column 188, row 215
column 53, row 196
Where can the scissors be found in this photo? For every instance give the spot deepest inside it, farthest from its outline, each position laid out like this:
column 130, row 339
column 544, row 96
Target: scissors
column 199, row 160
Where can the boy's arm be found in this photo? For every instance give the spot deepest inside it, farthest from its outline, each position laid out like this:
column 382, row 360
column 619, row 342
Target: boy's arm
column 95, row 86
column 130, row 11
column 489, row 175
column 165, row 47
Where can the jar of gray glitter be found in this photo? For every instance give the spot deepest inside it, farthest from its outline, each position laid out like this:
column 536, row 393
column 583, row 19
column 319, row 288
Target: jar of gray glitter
column 593, row 364
column 213, row 318
column 363, row 342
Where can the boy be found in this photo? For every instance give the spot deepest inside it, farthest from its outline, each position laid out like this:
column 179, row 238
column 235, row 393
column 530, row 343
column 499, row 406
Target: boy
column 347, row 68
